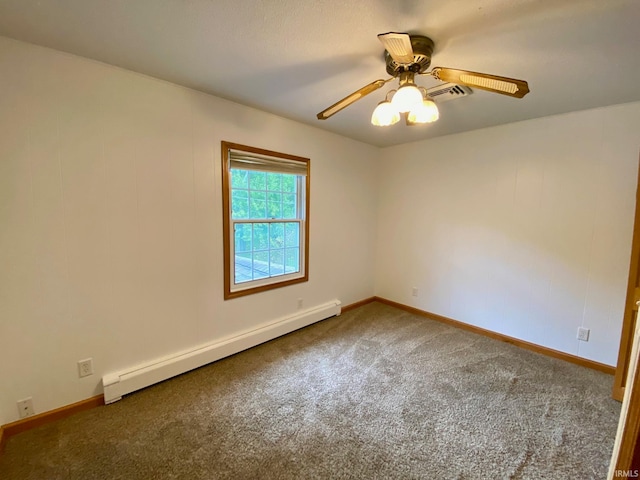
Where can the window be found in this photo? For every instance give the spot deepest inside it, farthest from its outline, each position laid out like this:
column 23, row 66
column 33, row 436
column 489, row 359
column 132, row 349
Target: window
column 265, row 219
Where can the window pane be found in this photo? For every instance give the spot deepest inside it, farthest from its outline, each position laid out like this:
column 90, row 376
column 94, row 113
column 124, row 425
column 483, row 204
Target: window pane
column 289, row 198
column 243, row 270
column 292, row 235
column 239, row 179
column 257, row 205
column 258, row 209
column 239, row 204
column 260, row 265
column 289, row 183
column 292, row 260
column 259, row 195
column 257, row 181
column 274, row 205
column 274, row 182
column 288, row 205
column 289, row 210
column 260, row 236
column 276, row 235
column 243, row 239
column 277, row 262
column 274, row 197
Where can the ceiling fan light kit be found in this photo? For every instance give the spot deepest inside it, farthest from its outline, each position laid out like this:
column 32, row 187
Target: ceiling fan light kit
column 407, row 56
column 426, row 112
column 409, row 99
column 385, row 114
column 406, row 98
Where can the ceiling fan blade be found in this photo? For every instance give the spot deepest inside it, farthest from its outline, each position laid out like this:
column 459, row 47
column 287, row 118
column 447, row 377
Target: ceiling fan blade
column 492, row 83
column 398, row 45
column 349, row 99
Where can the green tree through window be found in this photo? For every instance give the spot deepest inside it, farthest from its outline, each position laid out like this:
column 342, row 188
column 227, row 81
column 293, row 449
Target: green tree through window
column 264, row 249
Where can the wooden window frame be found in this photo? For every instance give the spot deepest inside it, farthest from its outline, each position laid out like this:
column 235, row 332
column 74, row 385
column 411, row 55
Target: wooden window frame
column 276, row 281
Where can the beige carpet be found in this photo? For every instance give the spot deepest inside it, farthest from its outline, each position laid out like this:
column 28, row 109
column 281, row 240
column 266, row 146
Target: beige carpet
column 376, row 393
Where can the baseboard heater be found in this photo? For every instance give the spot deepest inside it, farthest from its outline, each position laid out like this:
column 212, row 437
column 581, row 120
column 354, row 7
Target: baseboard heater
column 120, row 383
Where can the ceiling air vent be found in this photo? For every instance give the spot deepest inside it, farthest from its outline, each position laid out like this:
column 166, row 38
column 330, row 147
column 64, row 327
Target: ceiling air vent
column 448, row 91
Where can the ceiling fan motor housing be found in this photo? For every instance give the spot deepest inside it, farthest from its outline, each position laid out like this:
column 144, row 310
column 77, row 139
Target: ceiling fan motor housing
column 422, row 51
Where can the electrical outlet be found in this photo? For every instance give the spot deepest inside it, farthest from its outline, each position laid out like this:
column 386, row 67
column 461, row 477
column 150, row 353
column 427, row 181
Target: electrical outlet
column 85, row 367
column 25, row 407
column 583, row 334
column 299, row 303
column 414, row 291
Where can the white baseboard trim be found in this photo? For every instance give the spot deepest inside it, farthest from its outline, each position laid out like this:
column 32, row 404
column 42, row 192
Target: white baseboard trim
column 120, row 383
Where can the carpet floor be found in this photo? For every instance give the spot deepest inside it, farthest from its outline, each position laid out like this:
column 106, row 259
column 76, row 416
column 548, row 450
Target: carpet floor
column 377, row 393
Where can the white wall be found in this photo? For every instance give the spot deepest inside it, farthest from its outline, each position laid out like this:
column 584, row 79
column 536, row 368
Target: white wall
column 523, row 229
column 110, row 221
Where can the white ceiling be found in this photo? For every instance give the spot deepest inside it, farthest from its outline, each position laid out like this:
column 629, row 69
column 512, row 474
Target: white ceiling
column 296, row 57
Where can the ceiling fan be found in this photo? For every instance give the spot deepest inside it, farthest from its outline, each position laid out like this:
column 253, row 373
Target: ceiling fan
column 407, row 56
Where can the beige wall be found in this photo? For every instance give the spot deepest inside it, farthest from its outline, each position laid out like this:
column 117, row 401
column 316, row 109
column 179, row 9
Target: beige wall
column 523, row 229
column 110, row 221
